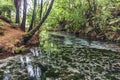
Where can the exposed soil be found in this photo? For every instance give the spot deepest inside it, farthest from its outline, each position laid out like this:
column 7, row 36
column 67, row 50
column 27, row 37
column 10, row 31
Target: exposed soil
column 9, row 38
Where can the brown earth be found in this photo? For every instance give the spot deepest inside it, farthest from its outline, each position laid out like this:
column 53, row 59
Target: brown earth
column 9, row 38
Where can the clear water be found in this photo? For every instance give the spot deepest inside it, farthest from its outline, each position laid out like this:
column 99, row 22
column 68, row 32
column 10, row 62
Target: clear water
column 63, row 56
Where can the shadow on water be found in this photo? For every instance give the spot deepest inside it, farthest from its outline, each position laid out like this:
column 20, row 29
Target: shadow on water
column 64, row 57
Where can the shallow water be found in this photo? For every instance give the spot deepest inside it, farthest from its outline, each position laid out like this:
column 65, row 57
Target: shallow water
column 68, row 38
column 64, row 57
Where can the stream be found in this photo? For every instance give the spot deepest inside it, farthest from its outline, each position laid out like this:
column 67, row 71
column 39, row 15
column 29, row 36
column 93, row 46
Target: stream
column 63, row 56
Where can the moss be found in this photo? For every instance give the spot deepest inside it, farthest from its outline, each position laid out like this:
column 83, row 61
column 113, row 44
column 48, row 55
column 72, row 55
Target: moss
column 19, row 50
column 1, row 23
column 14, row 25
column 1, row 32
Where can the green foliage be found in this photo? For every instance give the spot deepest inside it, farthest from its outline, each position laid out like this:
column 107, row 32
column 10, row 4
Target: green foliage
column 6, row 7
column 85, row 16
column 81, row 16
column 75, row 14
column 114, row 21
column 14, row 25
column 72, row 13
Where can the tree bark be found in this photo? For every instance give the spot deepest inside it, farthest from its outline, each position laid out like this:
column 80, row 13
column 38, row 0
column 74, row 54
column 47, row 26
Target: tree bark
column 24, row 15
column 17, row 4
column 33, row 16
column 17, row 15
column 29, row 35
column 41, row 9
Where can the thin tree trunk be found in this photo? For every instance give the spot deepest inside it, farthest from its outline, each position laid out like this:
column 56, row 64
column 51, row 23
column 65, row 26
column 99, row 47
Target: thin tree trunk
column 17, row 15
column 24, row 15
column 17, row 4
column 29, row 35
column 41, row 9
column 33, row 16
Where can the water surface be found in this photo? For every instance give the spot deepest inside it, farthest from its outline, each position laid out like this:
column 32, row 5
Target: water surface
column 63, row 56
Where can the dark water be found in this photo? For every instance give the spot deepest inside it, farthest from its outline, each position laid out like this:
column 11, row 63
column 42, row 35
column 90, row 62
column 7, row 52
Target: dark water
column 62, row 56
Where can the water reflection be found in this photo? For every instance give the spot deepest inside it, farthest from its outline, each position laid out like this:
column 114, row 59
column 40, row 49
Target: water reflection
column 37, row 72
column 28, row 60
column 36, row 51
column 7, row 75
column 22, row 61
column 34, row 71
column 30, row 71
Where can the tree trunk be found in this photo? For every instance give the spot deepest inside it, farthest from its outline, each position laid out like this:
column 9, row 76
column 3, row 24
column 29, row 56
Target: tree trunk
column 33, row 16
column 17, row 15
column 29, row 35
column 17, row 4
column 24, row 15
column 41, row 9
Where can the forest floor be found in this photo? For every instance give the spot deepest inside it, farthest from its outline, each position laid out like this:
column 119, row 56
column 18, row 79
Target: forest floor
column 9, row 39
column 9, row 36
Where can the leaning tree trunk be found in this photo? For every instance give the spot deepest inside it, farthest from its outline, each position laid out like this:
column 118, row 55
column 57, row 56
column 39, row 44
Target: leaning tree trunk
column 33, row 16
column 29, row 35
column 24, row 15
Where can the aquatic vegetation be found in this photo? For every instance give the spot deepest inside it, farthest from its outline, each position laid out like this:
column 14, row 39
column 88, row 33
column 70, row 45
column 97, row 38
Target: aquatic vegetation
column 56, row 60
